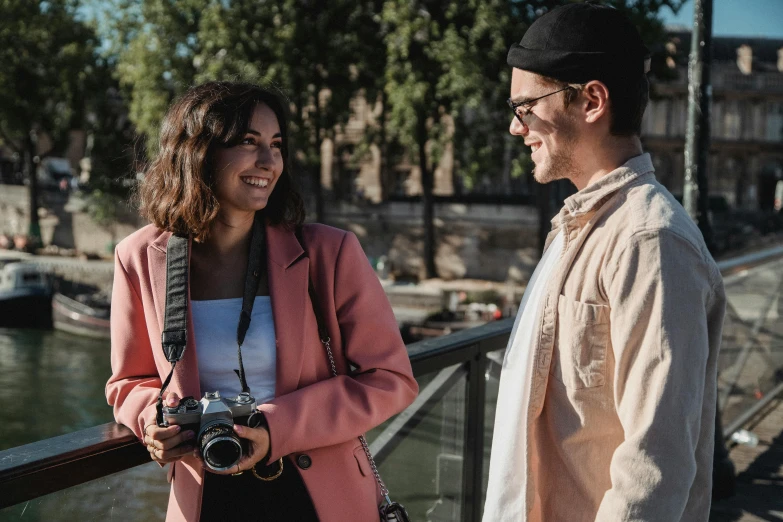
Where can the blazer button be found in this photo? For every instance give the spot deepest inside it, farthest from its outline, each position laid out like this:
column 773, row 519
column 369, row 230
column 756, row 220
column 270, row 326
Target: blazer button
column 304, row 461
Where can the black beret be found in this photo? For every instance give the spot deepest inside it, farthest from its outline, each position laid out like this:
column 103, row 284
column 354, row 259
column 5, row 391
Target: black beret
column 577, row 43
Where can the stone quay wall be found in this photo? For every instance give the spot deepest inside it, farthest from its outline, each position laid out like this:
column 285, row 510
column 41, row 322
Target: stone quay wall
column 473, row 241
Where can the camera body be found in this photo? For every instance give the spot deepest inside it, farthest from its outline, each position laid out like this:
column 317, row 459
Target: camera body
column 213, row 419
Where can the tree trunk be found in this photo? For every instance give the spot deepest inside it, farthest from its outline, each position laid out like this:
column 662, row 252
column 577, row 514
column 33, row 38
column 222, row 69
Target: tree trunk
column 34, row 230
column 318, row 188
column 385, row 181
column 428, row 204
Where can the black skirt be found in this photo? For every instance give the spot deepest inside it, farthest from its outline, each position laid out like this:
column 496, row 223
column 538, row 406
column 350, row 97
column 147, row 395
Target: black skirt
column 248, row 499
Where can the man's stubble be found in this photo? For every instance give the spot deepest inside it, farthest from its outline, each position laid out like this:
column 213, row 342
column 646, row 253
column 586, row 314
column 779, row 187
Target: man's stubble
column 561, row 163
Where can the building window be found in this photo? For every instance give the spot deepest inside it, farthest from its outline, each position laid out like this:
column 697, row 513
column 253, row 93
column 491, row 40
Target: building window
column 654, row 121
column 774, row 121
column 732, row 120
column 679, row 118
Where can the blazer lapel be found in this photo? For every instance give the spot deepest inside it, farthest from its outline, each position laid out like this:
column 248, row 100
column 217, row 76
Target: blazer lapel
column 288, row 276
column 185, row 379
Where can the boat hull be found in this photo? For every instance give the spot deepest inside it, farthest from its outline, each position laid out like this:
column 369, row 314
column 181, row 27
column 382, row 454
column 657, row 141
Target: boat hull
column 74, row 317
column 26, row 311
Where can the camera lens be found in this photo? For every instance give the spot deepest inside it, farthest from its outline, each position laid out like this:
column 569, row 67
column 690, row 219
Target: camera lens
column 220, row 447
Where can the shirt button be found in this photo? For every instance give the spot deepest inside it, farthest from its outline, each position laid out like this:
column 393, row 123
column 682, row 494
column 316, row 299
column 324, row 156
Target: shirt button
column 304, row 461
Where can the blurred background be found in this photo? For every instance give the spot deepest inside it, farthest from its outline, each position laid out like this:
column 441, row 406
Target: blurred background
column 399, row 134
column 399, row 118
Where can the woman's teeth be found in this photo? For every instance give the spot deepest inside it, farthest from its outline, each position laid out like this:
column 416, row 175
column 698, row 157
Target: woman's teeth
column 534, row 147
column 256, row 182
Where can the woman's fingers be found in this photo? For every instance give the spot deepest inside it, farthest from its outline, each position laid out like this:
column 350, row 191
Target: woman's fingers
column 172, row 449
column 258, row 447
column 173, row 454
column 171, row 442
column 172, row 399
column 168, row 443
column 157, row 433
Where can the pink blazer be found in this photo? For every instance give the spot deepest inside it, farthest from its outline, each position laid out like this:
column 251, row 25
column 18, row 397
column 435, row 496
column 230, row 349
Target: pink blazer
column 313, row 413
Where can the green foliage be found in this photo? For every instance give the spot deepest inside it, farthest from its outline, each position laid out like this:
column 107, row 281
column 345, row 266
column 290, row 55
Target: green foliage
column 48, row 65
column 439, row 67
column 301, row 48
column 103, row 207
column 156, row 61
column 481, row 151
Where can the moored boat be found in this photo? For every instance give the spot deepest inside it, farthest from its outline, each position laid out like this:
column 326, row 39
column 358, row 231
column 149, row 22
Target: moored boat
column 83, row 315
column 25, row 296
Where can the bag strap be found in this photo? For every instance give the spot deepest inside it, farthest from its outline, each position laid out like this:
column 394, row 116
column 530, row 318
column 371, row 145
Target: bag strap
column 323, row 334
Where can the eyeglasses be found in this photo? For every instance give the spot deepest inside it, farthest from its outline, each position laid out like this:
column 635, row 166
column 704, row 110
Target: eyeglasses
column 528, row 104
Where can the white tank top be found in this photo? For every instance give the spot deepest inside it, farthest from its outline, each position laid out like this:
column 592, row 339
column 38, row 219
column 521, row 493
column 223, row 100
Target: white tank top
column 215, row 325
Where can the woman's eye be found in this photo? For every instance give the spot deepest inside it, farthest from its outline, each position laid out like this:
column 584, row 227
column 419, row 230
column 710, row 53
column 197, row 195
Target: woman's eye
column 247, row 141
column 277, row 144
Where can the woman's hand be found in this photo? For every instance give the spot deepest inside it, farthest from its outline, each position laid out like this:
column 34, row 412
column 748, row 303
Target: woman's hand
column 166, row 444
column 258, row 447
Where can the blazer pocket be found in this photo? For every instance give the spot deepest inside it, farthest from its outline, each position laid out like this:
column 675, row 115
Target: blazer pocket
column 361, row 461
column 579, row 360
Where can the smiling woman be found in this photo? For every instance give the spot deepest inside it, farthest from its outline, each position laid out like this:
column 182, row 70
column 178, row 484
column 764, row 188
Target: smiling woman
column 267, row 311
column 209, row 127
column 255, row 162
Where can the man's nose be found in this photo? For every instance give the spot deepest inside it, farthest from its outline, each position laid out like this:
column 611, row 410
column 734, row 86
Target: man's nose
column 517, row 128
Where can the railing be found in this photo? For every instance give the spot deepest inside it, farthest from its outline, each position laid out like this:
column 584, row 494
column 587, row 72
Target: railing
column 458, row 377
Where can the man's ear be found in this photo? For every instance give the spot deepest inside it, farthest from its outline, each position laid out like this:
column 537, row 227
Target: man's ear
column 596, row 101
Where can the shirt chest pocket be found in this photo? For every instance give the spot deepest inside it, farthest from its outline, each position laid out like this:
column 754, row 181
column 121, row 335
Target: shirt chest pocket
column 579, row 359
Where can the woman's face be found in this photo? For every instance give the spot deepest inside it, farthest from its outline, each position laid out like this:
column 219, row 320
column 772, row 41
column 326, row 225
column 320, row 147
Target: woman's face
column 246, row 174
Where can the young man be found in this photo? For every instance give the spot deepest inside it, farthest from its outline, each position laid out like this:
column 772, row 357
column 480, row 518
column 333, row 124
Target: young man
column 607, row 396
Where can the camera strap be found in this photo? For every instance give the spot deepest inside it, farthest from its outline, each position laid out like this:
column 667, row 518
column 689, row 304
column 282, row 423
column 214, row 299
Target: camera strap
column 174, row 338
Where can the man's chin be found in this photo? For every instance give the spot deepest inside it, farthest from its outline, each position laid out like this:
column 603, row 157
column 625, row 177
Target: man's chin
column 543, row 176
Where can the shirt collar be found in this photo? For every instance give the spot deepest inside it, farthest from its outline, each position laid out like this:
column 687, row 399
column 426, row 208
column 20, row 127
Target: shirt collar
column 591, row 196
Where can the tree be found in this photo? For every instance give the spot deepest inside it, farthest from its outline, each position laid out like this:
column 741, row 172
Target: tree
column 309, row 49
column 306, row 49
column 448, row 58
column 47, row 60
column 440, row 58
column 156, row 59
column 104, row 208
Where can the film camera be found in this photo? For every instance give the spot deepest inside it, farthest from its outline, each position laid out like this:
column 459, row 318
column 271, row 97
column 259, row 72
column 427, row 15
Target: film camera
column 212, row 419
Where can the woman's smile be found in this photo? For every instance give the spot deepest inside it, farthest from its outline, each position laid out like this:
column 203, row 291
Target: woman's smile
column 255, row 182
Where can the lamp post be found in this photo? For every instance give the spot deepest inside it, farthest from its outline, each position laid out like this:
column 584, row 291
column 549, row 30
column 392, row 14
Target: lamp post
column 697, row 139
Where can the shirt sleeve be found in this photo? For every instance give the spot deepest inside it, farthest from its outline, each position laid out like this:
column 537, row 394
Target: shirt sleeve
column 660, row 295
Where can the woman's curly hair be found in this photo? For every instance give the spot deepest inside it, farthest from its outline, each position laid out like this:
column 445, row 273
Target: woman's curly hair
column 177, row 193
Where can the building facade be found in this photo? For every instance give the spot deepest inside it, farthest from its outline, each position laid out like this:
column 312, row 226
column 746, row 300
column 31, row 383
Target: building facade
column 746, row 157
column 746, row 128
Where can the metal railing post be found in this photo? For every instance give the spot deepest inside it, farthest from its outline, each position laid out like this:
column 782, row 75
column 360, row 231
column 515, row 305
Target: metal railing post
column 473, row 469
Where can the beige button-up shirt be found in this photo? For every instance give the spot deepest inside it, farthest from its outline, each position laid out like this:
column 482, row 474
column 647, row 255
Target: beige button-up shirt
column 621, row 417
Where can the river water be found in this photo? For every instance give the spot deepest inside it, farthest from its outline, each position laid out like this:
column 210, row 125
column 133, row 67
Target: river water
column 52, row 383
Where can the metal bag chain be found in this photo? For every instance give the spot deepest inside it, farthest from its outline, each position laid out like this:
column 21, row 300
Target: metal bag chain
column 384, row 492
